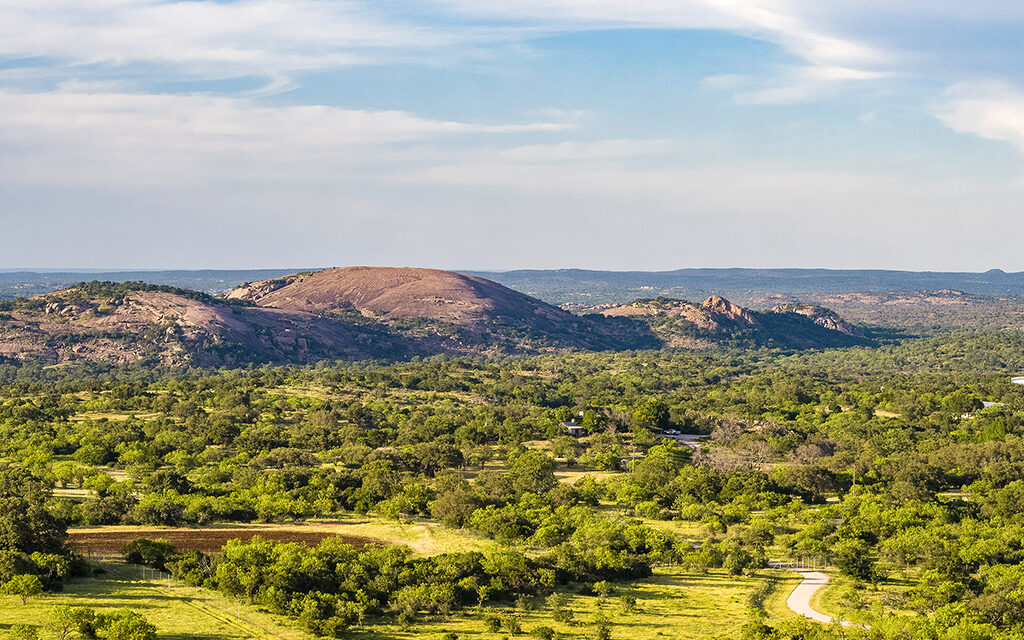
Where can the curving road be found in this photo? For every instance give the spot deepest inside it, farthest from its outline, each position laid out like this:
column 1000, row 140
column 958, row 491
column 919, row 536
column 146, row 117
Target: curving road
column 800, row 600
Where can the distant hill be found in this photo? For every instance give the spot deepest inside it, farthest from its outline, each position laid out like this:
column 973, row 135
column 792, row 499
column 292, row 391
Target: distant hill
column 122, row 324
column 583, row 287
column 461, row 310
column 360, row 313
column 680, row 323
column 580, row 286
column 18, row 283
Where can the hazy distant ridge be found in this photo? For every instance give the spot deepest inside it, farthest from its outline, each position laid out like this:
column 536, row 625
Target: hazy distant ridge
column 596, row 287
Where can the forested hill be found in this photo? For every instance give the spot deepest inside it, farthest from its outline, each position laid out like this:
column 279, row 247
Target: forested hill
column 578, row 286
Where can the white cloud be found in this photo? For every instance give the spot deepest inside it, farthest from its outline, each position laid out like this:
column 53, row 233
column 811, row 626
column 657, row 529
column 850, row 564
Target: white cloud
column 790, row 85
column 279, row 37
column 586, row 152
column 106, row 138
column 782, row 22
column 991, row 110
column 207, row 38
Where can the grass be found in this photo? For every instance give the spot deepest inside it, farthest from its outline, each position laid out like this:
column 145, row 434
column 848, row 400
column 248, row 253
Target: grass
column 775, row 604
column 424, row 537
column 671, row 604
column 859, row 602
column 570, row 476
column 179, row 612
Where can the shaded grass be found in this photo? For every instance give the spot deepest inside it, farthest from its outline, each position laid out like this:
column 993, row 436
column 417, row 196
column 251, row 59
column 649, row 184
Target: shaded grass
column 671, row 604
column 179, row 612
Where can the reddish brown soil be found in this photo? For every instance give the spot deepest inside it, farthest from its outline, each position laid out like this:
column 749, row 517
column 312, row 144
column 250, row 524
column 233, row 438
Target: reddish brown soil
column 205, row 540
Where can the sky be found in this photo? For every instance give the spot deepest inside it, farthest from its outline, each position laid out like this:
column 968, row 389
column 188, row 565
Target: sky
column 498, row 134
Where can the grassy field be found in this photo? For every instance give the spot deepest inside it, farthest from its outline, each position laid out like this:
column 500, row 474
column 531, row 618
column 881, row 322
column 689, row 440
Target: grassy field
column 671, row 604
column 425, row 538
column 844, row 598
column 179, row 613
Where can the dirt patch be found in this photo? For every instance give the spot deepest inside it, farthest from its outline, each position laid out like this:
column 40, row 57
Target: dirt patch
column 106, row 543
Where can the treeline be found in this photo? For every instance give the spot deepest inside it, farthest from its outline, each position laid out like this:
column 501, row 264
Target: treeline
column 334, row 586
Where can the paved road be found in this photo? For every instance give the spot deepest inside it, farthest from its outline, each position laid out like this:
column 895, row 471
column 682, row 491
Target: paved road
column 800, row 600
column 688, row 439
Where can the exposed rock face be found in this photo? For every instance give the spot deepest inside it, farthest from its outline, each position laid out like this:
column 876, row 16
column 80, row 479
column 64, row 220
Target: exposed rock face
column 725, row 310
column 168, row 328
column 682, row 323
column 346, row 314
column 714, row 314
column 392, row 292
column 365, row 312
column 821, row 316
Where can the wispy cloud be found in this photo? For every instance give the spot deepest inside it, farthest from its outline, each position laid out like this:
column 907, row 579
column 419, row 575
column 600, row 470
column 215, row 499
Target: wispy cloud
column 616, row 151
column 991, row 110
column 207, row 38
column 831, row 58
column 105, row 138
column 790, row 85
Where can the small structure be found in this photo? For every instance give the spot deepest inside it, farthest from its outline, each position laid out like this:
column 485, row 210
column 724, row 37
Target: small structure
column 1017, row 380
column 574, row 429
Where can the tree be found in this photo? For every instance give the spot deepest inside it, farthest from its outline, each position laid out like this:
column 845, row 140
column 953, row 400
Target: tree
column 65, row 622
column 153, row 553
column 25, row 586
column 454, row 507
column 532, row 472
column 852, row 557
column 492, row 623
column 25, row 524
column 653, row 415
column 128, row 625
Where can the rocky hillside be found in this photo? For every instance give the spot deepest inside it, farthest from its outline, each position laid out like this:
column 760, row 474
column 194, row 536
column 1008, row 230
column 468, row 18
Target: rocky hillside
column 343, row 314
column 134, row 322
column 452, row 310
column 362, row 313
column 686, row 324
column 391, row 292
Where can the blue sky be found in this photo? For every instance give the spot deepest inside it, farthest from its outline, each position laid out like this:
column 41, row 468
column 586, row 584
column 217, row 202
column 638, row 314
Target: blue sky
column 490, row 134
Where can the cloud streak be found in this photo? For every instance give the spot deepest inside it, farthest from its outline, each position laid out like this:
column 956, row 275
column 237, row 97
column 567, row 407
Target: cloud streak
column 71, row 136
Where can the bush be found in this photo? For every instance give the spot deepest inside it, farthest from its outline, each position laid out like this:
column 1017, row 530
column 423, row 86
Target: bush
column 492, row 623
column 542, row 633
column 127, row 625
column 152, row 553
column 23, row 632
column 25, row 586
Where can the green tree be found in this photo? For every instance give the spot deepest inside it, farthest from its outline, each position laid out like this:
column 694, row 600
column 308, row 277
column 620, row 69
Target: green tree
column 65, row 622
column 25, row 586
column 653, row 415
column 128, row 625
column 532, row 472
